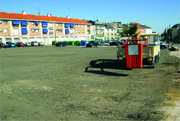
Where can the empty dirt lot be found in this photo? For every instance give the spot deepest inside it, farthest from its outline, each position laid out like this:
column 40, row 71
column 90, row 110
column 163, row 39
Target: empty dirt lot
column 51, row 84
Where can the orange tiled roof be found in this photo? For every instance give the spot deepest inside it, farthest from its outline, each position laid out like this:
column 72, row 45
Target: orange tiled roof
column 139, row 26
column 5, row 15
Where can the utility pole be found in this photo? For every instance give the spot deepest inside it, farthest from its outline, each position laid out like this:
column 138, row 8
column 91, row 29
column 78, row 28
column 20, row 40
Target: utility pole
column 38, row 11
column 169, row 32
column 55, row 35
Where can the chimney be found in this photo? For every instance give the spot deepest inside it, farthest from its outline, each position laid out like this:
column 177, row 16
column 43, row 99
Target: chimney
column 68, row 17
column 49, row 14
column 24, row 12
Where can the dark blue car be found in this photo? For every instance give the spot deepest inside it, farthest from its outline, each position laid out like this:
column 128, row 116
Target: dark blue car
column 10, row 44
column 115, row 43
column 61, row 44
column 122, row 41
column 2, row 45
column 92, row 44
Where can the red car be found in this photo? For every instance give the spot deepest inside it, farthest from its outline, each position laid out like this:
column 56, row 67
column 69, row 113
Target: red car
column 20, row 44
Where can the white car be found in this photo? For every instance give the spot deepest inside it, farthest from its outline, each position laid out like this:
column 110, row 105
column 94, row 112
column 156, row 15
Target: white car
column 163, row 45
column 34, row 43
column 27, row 44
column 40, row 44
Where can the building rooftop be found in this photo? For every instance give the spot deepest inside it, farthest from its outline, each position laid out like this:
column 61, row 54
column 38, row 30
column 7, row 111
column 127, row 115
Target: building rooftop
column 146, row 27
column 139, row 26
column 18, row 16
column 176, row 26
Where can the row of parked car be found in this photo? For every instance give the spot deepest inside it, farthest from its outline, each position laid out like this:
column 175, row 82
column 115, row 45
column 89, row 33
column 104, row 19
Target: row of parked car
column 163, row 45
column 106, row 43
column 20, row 44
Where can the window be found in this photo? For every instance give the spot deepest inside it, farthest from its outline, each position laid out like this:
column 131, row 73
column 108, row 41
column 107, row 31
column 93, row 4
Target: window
column 32, row 22
column 15, row 31
column 59, row 30
column 5, row 30
column 0, row 30
column 15, row 25
column 50, row 28
column 24, row 31
column 5, row 21
column 24, row 23
column 44, row 24
column 33, row 30
column 50, row 25
column 37, row 23
column 37, row 30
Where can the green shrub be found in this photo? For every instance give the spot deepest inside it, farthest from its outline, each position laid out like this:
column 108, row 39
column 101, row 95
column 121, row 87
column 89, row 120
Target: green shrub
column 54, row 42
column 71, row 43
column 77, row 43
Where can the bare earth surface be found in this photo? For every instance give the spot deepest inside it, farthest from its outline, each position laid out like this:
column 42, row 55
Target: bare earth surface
column 175, row 111
column 51, row 84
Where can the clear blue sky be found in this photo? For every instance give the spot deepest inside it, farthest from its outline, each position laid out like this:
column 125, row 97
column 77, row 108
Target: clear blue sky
column 158, row 14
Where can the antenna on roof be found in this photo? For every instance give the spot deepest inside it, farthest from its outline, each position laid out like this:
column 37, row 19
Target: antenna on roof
column 24, row 12
column 38, row 11
column 49, row 14
column 68, row 13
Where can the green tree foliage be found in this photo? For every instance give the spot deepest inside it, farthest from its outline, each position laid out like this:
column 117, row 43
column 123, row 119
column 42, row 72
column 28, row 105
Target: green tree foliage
column 129, row 31
column 132, row 30
column 122, row 34
column 125, row 31
column 167, row 34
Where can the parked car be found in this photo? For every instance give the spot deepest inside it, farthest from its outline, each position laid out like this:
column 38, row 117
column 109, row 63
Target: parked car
column 107, row 44
column 40, row 44
column 27, row 44
column 114, row 43
column 122, row 41
column 92, row 44
column 163, row 45
column 10, row 44
column 61, row 44
column 104, row 44
column 34, row 43
column 20, row 44
column 2, row 45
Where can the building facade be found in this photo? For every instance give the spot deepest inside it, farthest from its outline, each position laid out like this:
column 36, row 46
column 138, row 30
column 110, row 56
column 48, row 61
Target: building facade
column 97, row 30
column 110, row 34
column 148, row 30
column 24, row 27
column 117, row 28
column 176, row 33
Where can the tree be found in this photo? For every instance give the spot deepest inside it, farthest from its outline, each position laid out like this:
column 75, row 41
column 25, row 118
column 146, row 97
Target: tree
column 164, row 34
column 122, row 34
column 167, row 34
column 125, row 31
column 132, row 30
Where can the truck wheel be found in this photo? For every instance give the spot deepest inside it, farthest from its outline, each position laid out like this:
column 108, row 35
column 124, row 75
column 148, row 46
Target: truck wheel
column 156, row 59
column 118, row 57
column 153, row 64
